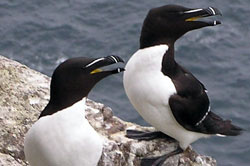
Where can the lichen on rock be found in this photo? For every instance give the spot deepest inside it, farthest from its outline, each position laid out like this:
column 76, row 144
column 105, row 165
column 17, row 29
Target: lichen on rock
column 25, row 92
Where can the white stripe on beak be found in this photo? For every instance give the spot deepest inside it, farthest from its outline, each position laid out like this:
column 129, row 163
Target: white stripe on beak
column 114, row 59
column 212, row 10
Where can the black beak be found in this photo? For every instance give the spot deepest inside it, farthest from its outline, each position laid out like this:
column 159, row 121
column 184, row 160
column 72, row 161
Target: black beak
column 106, row 61
column 194, row 14
column 113, row 59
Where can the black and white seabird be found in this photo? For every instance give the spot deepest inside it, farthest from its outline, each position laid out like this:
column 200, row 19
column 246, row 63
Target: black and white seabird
column 164, row 93
column 62, row 136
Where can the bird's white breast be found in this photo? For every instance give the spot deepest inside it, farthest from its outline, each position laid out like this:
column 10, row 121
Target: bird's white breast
column 62, row 139
column 149, row 90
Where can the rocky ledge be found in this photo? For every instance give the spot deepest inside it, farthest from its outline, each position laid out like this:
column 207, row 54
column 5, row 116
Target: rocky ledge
column 25, row 92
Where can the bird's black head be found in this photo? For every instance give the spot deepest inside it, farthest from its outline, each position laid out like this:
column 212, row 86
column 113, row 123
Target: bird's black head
column 164, row 25
column 73, row 79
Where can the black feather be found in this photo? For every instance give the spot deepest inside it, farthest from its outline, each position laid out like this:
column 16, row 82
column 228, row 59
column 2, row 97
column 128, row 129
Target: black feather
column 213, row 124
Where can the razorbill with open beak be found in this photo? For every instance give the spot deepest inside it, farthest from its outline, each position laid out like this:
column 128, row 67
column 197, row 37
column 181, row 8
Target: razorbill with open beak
column 164, row 93
column 63, row 136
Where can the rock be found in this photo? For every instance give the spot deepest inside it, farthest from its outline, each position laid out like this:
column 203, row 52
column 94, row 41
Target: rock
column 25, row 92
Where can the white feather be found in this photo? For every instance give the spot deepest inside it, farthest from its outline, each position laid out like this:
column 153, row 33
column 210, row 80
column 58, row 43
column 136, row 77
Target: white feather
column 62, row 139
column 204, row 117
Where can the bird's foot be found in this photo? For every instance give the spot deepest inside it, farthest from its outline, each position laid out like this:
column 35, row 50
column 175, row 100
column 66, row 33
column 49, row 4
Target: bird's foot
column 153, row 161
column 147, row 136
column 159, row 161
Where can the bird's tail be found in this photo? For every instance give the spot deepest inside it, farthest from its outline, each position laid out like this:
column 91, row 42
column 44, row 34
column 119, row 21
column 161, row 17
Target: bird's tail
column 216, row 125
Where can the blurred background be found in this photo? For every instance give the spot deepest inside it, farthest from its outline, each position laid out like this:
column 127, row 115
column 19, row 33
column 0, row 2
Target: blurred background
column 42, row 34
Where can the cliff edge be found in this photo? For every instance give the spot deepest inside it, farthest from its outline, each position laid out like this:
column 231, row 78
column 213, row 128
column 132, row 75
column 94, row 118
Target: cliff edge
column 25, row 92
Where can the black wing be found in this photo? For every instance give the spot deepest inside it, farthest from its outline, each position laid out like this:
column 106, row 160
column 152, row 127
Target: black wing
column 186, row 71
column 190, row 107
column 191, row 104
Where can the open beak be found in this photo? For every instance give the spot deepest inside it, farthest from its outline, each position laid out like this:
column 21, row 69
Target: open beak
column 195, row 14
column 98, row 64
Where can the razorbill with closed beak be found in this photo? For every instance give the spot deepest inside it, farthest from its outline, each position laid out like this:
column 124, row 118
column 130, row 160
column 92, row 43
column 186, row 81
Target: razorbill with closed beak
column 164, row 93
column 62, row 136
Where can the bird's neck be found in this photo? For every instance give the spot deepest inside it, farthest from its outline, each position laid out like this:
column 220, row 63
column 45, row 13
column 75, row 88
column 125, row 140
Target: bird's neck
column 168, row 61
column 149, row 41
column 53, row 106
column 151, row 35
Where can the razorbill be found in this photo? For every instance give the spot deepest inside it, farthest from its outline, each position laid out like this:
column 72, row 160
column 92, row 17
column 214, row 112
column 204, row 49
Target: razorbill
column 163, row 92
column 62, row 136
